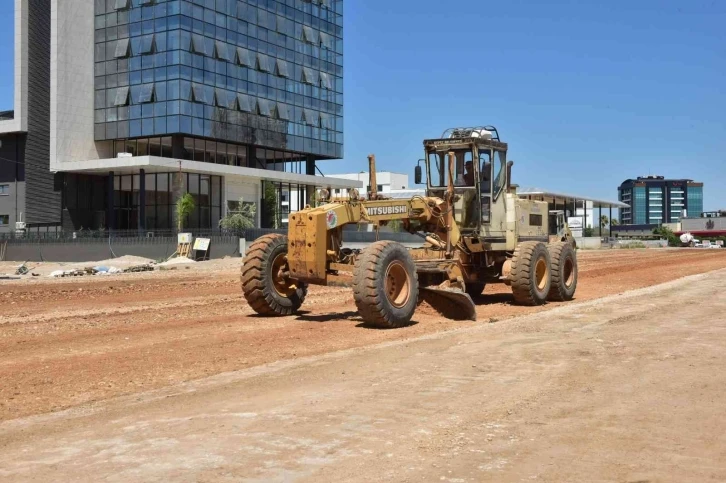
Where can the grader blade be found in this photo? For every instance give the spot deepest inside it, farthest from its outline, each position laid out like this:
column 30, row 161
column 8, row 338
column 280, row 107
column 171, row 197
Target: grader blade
column 451, row 303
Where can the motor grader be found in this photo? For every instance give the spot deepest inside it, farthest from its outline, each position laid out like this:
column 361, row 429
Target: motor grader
column 475, row 231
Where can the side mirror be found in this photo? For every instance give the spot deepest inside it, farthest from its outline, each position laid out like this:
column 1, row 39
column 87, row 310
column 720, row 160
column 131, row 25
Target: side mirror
column 417, row 175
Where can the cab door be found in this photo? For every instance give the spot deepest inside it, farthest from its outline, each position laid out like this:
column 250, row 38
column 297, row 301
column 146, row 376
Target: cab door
column 493, row 166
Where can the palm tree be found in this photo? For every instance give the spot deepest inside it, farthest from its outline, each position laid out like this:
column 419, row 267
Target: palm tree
column 604, row 220
column 614, row 222
column 184, row 208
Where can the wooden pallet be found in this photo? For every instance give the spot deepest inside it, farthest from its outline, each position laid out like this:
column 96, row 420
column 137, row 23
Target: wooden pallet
column 184, row 249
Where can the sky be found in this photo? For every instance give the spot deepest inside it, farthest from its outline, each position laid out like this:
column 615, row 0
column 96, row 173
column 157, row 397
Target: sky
column 586, row 93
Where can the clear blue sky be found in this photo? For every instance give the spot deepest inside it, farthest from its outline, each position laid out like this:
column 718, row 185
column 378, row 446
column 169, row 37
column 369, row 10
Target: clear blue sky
column 586, row 93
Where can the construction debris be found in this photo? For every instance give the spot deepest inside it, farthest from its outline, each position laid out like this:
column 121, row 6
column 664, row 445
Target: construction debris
column 22, row 270
column 140, row 268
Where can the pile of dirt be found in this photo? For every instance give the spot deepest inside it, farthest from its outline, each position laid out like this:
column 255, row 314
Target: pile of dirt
column 177, row 261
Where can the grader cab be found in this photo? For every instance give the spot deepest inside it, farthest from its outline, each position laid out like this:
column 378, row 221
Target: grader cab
column 474, row 227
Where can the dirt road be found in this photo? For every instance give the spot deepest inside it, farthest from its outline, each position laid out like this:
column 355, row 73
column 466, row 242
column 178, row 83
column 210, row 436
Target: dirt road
column 628, row 388
column 64, row 343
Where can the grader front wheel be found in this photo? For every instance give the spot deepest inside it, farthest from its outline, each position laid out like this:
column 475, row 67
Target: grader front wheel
column 531, row 273
column 265, row 281
column 385, row 285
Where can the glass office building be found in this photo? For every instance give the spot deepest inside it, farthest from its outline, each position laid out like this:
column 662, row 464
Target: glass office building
column 124, row 106
column 655, row 200
column 173, row 74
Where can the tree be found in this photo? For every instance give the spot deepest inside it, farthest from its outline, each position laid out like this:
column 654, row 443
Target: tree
column 184, row 208
column 614, row 222
column 588, row 232
column 667, row 233
column 241, row 218
column 314, row 198
column 604, row 220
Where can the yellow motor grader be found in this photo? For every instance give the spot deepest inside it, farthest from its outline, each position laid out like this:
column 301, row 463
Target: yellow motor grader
column 475, row 230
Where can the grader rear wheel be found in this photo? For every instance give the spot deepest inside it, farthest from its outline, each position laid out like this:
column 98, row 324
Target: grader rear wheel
column 531, row 273
column 385, row 285
column 564, row 271
column 265, row 281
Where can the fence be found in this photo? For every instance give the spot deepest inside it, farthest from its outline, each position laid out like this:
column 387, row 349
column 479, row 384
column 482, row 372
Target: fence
column 90, row 246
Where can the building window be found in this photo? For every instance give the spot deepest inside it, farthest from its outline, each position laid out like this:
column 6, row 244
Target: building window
column 380, row 187
column 312, row 118
column 326, row 41
column 142, row 94
column 202, row 45
column 282, row 69
column 159, row 207
column 122, row 96
column 4, row 189
column 309, row 76
column 143, row 45
column 122, row 48
column 224, row 52
column 264, row 107
column 309, row 35
column 243, row 57
column 4, row 220
column 325, row 81
column 263, row 63
column 283, row 111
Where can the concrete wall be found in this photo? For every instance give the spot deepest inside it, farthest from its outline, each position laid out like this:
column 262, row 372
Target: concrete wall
column 72, row 82
column 590, row 243
column 699, row 224
column 94, row 251
column 13, row 205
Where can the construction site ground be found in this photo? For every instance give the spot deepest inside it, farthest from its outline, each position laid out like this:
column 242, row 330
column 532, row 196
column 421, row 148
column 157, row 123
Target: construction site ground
column 170, row 376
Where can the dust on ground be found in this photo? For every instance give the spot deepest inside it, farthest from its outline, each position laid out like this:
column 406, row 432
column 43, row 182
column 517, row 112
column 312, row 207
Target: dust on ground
column 71, row 342
column 627, row 388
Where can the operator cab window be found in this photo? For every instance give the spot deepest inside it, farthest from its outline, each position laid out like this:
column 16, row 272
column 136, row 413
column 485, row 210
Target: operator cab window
column 464, row 172
column 437, row 175
column 485, row 168
column 466, row 207
column 500, row 172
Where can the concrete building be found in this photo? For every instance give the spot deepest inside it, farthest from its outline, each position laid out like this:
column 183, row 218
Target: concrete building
column 654, row 200
column 387, row 182
column 122, row 106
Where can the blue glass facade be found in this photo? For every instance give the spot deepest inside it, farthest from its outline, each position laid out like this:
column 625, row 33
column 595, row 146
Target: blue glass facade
column 639, row 206
column 694, row 201
column 241, row 74
column 655, row 200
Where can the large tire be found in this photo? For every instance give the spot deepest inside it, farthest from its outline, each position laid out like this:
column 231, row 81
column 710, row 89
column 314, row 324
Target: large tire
column 531, row 273
column 475, row 289
column 564, row 271
column 385, row 285
column 267, row 292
